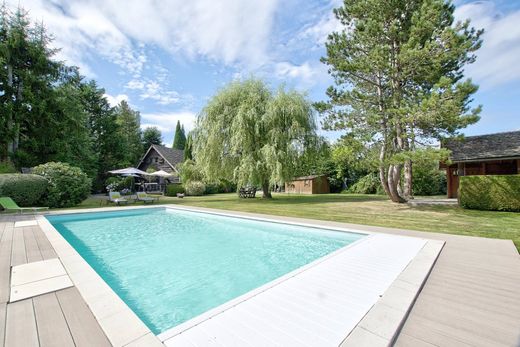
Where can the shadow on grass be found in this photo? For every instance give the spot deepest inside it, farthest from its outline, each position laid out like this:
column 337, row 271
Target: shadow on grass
column 282, row 199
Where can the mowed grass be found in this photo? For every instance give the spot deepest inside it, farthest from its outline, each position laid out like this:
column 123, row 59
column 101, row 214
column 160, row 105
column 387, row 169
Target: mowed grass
column 364, row 209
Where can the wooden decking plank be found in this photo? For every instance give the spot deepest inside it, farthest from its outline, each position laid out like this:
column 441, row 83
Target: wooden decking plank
column 18, row 254
column 52, row 327
column 83, row 326
column 45, row 246
column 31, row 246
column 5, row 263
column 21, row 325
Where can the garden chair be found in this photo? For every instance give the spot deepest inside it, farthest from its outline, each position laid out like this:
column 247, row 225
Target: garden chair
column 116, row 198
column 9, row 205
column 142, row 196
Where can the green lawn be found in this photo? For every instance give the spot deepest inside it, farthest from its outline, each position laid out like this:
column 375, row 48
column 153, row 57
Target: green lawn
column 365, row 209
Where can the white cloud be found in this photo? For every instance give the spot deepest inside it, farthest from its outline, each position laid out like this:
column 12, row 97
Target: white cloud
column 115, row 100
column 318, row 32
column 305, row 75
column 166, row 122
column 154, row 90
column 227, row 31
column 497, row 60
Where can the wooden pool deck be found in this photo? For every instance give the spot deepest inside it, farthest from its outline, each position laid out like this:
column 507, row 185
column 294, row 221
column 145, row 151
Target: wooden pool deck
column 471, row 298
column 60, row 318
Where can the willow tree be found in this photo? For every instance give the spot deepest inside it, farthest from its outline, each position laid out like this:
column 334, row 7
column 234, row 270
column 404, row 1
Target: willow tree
column 250, row 135
column 398, row 72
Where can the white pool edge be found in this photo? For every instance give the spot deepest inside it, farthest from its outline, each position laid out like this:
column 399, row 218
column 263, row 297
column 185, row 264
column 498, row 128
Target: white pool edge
column 113, row 314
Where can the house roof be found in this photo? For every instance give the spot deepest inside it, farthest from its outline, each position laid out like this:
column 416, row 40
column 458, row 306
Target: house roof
column 310, row 177
column 484, row 147
column 170, row 155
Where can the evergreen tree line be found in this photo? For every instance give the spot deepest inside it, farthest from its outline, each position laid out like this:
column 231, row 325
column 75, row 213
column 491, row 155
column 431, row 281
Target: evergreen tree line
column 49, row 112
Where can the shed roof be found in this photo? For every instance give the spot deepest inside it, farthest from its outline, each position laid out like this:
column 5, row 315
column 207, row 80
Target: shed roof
column 310, row 177
column 485, row 147
column 172, row 156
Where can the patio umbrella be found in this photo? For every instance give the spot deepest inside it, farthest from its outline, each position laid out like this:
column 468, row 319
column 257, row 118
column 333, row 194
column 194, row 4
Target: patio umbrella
column 128, row 171
column 161, row 173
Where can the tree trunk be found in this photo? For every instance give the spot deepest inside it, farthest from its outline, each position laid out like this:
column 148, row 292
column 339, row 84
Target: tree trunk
column 266, row 191
column 408, row 181
column 394, row 176
column 382, row 174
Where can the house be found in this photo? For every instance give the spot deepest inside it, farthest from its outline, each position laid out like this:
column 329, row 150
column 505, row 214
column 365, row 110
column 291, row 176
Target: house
column 315, row 184
column 163, row 158
column 493, row 154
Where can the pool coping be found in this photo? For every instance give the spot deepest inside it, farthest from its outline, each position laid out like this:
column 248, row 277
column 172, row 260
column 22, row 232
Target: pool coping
column 380, row 326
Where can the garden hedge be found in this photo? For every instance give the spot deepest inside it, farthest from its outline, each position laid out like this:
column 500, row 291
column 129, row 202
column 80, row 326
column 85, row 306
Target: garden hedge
column 173, row 189
column 497, row 193
column 24, row 189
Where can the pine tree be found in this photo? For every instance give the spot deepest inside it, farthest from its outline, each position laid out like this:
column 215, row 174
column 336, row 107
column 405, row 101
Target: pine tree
column 179, row 139
column 129, row 131
column 188, row 148
column 398, row 72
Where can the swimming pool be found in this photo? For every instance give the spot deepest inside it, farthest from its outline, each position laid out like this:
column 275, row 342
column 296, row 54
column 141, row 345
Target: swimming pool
column 172, row 265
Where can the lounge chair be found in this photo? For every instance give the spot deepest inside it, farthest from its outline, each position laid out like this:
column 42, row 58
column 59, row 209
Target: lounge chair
column 142, row 196
column 116, row 198
column 9, row 205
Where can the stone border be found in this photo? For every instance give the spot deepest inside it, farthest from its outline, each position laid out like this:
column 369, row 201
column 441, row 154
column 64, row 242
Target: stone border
column 382, row 324
column 379, row 327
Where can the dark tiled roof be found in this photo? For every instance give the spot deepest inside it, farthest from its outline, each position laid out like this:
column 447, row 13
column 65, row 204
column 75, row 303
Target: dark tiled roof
column 173, row 156
column 492, row 146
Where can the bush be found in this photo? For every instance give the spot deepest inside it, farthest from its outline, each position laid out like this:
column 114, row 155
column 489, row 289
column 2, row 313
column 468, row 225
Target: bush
column 195, row 188
column 68, row 185
column 119, row 184
column 496, row 193
column 7, row 167
column 174, row 189
column 222, row 186
column 24, row 189
column 428, row 179
column 369, row 184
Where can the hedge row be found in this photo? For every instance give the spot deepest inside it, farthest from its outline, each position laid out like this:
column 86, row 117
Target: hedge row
column 24, row 189
column 173, row 189
column 496, row 193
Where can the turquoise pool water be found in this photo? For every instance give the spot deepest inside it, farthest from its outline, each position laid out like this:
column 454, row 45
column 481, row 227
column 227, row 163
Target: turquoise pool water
column 170, row 265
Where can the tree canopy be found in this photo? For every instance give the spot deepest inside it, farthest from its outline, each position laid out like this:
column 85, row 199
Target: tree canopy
column 398, row 73
column 151, row 136
column 252, row 136
column 49, row 112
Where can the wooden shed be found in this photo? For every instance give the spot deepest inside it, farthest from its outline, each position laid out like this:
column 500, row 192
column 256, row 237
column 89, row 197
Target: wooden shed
column 315, row 184
column 492, row 154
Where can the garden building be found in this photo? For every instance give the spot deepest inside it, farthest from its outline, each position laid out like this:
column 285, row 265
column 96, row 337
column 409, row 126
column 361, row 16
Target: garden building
column 315, row 184
column 492, row 154
column 163, row 158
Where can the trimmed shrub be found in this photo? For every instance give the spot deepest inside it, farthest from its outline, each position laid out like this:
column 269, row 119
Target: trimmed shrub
column 222, row 186
column 496, row 193
column 68, row 185
column 24, row 189
column 173, row 189
column 7, row 167
column 194, row 188
column 369, row 184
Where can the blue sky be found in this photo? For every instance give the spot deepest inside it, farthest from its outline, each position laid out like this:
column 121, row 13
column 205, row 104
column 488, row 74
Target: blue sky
column 166, row 58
